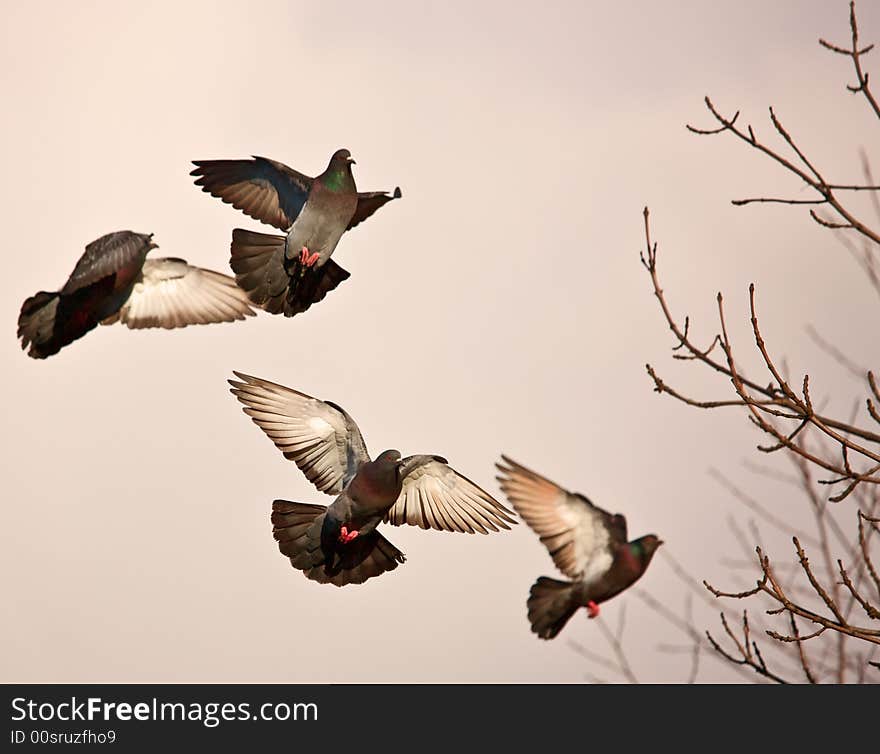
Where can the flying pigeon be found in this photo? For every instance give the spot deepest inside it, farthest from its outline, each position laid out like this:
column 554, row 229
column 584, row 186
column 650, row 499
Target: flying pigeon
column 113, row 281
column 340, row 544
column 289, row 273
column 587, row 544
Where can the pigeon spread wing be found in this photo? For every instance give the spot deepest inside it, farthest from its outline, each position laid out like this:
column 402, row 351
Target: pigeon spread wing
column 435, row 496
column 264, row 189
column 578, row 534
column 369, row 202
column 171, row 293
column 320, row 437
column 108, row 255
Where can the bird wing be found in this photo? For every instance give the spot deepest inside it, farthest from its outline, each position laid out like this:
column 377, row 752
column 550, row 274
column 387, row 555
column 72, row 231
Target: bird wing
column 108, row 255
column 578, row 534
column 318, row 436
column 264, row 189
column 369, row 202
column 171, row 293
column 436, row 496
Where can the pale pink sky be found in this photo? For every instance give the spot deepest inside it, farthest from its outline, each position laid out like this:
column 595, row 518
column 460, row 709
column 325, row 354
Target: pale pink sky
column 499, row 307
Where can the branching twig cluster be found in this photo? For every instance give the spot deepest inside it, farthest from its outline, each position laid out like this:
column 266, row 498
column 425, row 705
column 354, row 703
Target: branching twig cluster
column 779, row 409
column 830, row 608
column 775, row 404
column 827, row 191
column 833, row 617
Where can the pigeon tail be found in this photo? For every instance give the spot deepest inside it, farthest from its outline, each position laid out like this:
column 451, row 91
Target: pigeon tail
column 257, row 259
column 36, row 324
column 50, row 321
column 274, row 283
column 310, row 284
column 298, row 528
column 551, row 603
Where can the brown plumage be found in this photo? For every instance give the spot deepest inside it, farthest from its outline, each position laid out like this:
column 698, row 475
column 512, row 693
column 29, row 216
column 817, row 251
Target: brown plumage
column 588, row 544
column 113, row 281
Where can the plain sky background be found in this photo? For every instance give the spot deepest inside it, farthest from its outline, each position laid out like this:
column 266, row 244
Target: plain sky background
column 498, row 307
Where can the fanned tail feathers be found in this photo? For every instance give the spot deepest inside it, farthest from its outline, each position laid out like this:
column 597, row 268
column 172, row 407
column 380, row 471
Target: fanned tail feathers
column 36, row 324
column 551, row 603
column 278, row 285
column 297, row 527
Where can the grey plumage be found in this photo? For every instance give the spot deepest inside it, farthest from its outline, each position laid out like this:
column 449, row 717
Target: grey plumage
column 287, row 274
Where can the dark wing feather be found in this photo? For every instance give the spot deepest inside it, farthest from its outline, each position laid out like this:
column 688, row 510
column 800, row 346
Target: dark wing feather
column 369, row 202
column 108, row 255
column 264, row 189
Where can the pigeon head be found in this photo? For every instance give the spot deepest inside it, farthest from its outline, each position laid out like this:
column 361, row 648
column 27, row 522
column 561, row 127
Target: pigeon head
column 388, row 461
column 337, row 176
column 341, row 159
column 645, row 547
column 379, row 478
column 389, row 456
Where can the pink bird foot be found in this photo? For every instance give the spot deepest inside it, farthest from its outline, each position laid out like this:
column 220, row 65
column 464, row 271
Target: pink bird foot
column 307, row 259
column 592, row 609
column 345, row 536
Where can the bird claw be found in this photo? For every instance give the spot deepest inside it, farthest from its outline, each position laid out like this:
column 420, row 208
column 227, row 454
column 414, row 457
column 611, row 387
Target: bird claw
column 592, row 609
column 306, row 258
column 345, row 536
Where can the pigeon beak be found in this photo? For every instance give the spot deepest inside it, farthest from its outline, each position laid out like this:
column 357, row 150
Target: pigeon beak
column 351, row 161
column 659, row 542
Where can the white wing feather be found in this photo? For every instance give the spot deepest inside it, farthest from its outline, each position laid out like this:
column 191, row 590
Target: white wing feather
column 435, row 496
column 577, row 533
column 171, row 293
column 320, row 437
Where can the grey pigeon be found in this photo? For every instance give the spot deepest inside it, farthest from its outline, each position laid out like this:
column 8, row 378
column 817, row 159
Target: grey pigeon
column 587, row 544
column 287, row 274
column 340, row 544
column 113, row 281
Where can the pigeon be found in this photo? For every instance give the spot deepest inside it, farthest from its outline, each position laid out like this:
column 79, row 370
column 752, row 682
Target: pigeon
column 340, row 544
column 587, row 544
column 287, row 274
column 113, row 281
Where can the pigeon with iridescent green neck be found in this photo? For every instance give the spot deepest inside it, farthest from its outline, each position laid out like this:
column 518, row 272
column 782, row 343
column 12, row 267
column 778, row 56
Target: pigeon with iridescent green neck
column 287, row 274
column 587, row 544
